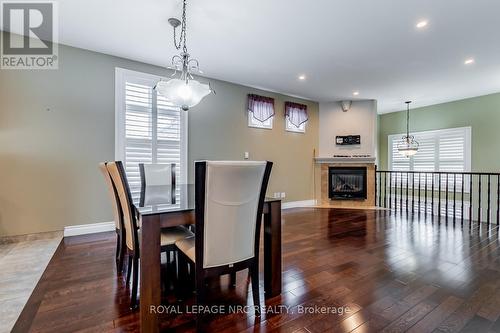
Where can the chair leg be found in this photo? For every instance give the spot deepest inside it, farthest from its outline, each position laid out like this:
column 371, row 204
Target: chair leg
column 135, row 283
column 129, row 269
column 232, row 280
column 254, row 271
column 164, row 276
column 118, row 243
column 174, row 270
column 123, row 251
column 200, row 289
column 181, row 289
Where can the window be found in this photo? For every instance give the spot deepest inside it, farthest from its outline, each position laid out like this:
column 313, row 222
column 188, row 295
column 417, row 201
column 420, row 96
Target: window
column 296, row 117
column 260, row 111
column 292, row 128
column 441, row 150
column 252, row 122
column 148, row 129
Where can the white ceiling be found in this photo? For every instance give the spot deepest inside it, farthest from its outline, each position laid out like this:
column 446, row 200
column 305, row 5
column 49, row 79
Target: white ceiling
column 370, row 46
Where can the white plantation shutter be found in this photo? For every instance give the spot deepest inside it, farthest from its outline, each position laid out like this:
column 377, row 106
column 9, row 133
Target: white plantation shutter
column 398, row 162
column 440, row 150
column 452, row 146
column 425, row 159
column 148, row 128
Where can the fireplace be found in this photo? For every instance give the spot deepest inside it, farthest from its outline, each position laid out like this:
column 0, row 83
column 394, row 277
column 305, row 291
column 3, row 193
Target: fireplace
column 347, row 183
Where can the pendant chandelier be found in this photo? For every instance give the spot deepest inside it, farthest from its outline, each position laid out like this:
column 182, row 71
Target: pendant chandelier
column 182, row 89
column 408, row 146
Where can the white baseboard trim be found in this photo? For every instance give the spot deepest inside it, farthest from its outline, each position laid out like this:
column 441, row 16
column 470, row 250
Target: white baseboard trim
column 297, row 204
column 83, row 229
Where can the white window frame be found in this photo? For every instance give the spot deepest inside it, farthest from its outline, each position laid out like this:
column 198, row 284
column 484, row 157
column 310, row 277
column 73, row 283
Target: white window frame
column 252, row 122
column 467, row 148
column 292, row 128
column 121, row 76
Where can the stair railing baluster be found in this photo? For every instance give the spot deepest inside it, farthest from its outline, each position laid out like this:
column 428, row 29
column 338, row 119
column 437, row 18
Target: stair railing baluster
column 470, row 201
column 462, row 185
column 479, row 200
column 432, row 195
column 498, row 200
column 454, row 196
column 489, row 203
column 446, row 204
column 385, row 189
column 390, row 189
column 407, row 186
column 439, row 196
column 425, row 194
column 401, row 193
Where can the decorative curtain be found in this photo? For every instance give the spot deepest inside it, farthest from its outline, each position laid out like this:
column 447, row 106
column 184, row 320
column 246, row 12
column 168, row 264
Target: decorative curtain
column 262, row 108
column 296, row 113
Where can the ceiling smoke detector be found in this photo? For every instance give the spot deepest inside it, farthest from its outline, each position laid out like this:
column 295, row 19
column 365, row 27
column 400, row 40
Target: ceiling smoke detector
column 346, row 105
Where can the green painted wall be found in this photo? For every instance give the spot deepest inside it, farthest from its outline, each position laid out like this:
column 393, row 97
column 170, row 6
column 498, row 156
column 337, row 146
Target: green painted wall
column 481, row 113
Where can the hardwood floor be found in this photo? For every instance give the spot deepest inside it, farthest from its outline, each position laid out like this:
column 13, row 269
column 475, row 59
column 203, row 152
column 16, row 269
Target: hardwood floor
column 392, row 273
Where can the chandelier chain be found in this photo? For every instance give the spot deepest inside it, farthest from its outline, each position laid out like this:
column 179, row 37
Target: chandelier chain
column 182, row 37
column 408, row 120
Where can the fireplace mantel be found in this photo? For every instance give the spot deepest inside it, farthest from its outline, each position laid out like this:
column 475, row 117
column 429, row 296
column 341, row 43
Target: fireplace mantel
column 350, row 160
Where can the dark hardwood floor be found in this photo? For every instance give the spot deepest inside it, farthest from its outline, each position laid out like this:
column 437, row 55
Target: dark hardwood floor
column 393, row 273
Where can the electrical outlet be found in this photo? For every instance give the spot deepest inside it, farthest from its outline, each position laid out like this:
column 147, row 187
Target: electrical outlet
column 283, row 195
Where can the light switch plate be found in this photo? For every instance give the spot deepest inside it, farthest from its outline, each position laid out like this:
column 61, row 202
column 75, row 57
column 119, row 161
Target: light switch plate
column 247, row 155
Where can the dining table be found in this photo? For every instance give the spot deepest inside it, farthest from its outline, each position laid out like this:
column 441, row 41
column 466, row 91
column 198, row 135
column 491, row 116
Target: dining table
column 163, row 206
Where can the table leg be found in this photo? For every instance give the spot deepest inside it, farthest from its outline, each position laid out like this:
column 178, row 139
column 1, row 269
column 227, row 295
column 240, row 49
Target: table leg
column 272, row 249
column 150, row 261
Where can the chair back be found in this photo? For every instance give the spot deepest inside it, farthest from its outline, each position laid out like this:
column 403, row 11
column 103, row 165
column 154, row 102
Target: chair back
column 229, row 202
column 117, row 173
column 157, row 174
column 113, row 195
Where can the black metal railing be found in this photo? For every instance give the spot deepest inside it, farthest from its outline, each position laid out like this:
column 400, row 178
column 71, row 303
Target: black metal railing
column 457, row 195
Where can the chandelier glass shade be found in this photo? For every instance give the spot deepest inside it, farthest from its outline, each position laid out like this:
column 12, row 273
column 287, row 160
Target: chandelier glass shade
column 408, row 146
column 183, row 90
column 183, row 93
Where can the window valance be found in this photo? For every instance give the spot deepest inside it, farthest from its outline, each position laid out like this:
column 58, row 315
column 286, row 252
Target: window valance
column 296, row 113
column 262, row 107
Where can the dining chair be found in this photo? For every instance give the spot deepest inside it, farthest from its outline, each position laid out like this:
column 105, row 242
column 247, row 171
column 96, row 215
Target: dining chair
column 229, row 199
column 132, row 233
column 157, row 174
column 117, row 216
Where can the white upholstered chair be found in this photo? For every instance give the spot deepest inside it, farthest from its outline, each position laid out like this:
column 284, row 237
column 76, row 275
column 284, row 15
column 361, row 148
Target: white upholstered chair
column 132, row 234
column 229, row 199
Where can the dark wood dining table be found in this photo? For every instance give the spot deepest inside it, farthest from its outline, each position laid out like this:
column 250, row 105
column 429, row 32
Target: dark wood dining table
column 164, row 206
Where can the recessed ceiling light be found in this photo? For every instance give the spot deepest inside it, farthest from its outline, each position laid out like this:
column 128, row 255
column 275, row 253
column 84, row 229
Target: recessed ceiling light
column 302, row 77
column 469, row 61
column 422, row 24
column 356, row 93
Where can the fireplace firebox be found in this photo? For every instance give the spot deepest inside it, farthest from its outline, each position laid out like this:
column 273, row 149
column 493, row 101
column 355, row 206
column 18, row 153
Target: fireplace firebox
column 347, row 183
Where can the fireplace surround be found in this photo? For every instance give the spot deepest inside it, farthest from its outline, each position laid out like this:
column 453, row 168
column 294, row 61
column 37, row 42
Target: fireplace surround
column 367, row 200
